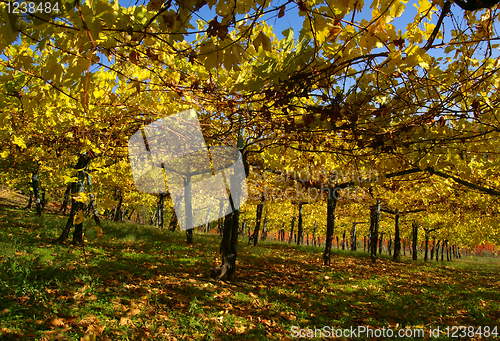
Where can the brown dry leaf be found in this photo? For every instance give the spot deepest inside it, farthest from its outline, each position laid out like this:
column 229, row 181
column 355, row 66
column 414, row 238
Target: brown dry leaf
column 95, row 329
column 134, row 57
column 132, row 312
column 54, row 335
column 125, row 321
column 268, row 323
column 56, row 322
column 282, row 11
column 399, row 43
column 217, row 319
column 87, row 321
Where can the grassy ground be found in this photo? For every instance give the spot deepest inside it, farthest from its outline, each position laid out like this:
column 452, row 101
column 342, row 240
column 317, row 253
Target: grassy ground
column 140, row 283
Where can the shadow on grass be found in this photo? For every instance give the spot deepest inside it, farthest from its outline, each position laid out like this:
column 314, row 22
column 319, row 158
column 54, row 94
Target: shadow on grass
column 146, row 283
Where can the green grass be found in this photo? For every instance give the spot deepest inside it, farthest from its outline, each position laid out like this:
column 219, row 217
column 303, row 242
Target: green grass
column 142, row 283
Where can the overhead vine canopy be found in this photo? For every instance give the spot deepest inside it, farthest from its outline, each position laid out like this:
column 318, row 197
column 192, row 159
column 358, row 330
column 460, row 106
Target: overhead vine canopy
column 350, row 62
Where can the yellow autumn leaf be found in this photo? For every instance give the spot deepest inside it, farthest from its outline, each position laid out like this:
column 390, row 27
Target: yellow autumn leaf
column 423, row 6
column 79, row 217
column 81, row 197
column 88, row 337
column 108, row 203
column 397, row 9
